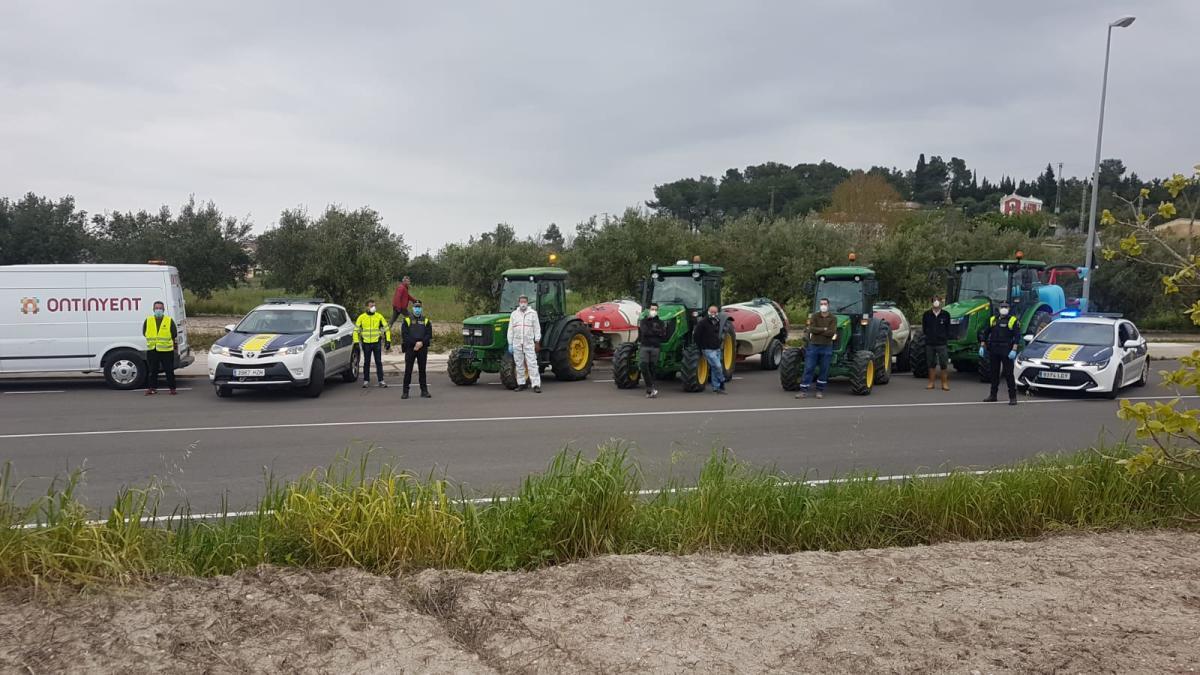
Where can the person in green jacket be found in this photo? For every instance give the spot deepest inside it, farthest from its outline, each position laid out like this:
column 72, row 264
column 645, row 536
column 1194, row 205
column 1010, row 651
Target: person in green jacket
column 822, row 334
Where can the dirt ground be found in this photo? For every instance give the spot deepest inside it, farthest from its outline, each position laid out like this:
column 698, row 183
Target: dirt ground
column 1122, row 602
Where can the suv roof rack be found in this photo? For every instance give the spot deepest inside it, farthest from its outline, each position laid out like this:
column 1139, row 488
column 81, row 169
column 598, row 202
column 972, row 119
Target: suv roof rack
column 294, row 301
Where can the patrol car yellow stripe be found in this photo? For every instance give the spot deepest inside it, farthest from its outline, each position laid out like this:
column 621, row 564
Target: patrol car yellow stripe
column 257, row 342
column 1062, row 352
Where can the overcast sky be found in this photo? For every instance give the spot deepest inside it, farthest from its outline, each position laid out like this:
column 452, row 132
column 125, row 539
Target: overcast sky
column 450, row 117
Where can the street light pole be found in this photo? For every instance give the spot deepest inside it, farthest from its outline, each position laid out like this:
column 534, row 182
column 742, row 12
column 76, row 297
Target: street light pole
column 1091, row 237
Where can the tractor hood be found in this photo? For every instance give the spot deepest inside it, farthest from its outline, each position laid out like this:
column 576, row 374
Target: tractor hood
column 668, row 312
column 962, row 308
column 486, row 320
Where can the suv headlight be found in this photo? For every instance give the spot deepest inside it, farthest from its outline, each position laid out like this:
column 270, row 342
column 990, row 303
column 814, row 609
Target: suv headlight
column 218, row 350
column 298, row 349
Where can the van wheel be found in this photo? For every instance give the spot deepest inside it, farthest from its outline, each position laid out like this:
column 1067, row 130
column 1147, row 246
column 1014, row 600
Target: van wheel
column 223, row 392
column 316, row 379
column 125, row 369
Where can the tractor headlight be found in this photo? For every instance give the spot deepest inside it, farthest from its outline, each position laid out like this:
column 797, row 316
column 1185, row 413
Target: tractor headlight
column 478, row 332
column 467, row 332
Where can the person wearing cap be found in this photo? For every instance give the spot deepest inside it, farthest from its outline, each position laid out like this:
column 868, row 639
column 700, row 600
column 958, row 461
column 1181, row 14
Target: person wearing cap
column 162, row 338
column 935, row 325
column 524, row 343
column 416, row 333
column 998, row 343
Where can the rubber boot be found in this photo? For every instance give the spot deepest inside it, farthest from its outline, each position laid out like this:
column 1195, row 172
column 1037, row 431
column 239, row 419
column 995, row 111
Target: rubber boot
column 945, row 380
column 932, row 374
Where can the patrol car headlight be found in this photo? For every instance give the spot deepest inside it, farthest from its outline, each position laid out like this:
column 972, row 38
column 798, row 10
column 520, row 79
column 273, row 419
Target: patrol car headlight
column 1101, row 363
column 298, row 349
column 218, row 350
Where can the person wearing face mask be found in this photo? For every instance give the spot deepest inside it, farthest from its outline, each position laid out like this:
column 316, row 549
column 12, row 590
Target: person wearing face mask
column 415, row 335
column 998, row 342
column 161, row 339
column 651, row 333
column 373, row 332
column 524, row 343
column 935, row 325
column 707, row 335
column 822, row 333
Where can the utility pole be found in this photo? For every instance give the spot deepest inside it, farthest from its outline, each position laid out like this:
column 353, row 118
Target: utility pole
column 1083, row 204
column 771, row 212
column 1058, row 191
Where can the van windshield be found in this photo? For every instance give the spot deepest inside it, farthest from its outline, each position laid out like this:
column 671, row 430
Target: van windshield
column 288, row 321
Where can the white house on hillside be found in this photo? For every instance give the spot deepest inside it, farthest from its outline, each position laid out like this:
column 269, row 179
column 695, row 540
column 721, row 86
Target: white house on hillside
column 1015, row 203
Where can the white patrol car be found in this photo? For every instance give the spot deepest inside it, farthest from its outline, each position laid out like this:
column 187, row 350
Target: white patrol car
column 285, row 343
column 1091, row 353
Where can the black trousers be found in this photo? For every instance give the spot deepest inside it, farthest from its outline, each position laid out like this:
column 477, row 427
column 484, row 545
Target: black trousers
column 370, row 349
column 418, row 359
column 649, row 363
column 1001, row 364
column 396, row 314
column 156, row 360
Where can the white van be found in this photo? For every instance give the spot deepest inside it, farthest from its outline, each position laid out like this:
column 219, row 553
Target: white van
column 86, row 318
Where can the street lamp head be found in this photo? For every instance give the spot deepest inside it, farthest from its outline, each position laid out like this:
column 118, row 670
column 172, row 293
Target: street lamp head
column 1123, row 22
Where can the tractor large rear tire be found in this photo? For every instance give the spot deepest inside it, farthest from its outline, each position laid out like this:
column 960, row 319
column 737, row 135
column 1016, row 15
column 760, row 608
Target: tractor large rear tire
column 862, row 373
column 791, row 368
column 508, row 371
column 1039, row 321
column 728, row 350
column 984, row 367
column 916, row 357
column 459, row 367
column 904, row 358
column 691, row 367
column 772, row 356
column 626, row 370
column 883, row 355
column 571, row 359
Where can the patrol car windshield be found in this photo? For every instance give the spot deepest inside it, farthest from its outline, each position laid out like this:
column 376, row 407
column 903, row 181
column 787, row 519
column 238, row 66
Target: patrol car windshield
column 845, row 295
column 1078, row 333
column 684, row 291
column 513, row 290
column 984, row 281
column 279, row 321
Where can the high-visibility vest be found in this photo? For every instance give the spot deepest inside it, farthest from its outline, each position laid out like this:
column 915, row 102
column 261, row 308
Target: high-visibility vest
column 370, row 327
column 159, row 340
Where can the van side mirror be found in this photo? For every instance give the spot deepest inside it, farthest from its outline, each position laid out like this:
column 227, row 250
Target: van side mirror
column 229, row 327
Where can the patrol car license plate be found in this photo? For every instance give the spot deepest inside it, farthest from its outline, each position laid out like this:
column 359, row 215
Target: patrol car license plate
column 249, row 372
column 1052, row 375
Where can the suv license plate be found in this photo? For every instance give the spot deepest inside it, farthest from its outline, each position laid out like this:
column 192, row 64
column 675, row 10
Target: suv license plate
column 1054, row 375
column 249, row 372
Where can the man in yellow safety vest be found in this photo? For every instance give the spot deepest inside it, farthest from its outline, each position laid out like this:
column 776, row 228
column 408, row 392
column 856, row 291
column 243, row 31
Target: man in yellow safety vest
column 161, row 336
column 372, row 331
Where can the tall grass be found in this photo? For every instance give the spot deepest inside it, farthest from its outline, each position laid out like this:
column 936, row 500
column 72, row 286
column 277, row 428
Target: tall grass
column 391, row 521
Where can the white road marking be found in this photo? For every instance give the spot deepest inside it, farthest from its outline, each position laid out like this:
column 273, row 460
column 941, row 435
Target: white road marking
column 505, row 498
column 142, row 391
column 568, row 416
column 47, row 391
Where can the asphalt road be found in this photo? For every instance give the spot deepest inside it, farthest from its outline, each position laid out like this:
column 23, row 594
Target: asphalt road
column 202, row 449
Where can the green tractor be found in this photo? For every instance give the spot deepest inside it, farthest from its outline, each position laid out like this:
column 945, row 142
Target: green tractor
column 566, row 346
column 862, row 352
column 974, row 289
column 684, row 292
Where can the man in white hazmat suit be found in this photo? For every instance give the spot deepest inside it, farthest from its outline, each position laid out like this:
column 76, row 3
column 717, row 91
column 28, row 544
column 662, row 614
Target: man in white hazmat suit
column 524, row 341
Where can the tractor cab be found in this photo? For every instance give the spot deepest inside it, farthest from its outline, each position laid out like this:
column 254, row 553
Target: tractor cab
column 544, row 286
column 851, row 291
column 684, row 287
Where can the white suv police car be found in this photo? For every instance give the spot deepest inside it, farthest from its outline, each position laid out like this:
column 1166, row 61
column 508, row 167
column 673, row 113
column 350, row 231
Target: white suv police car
column 285, row 343
column 1091, row 353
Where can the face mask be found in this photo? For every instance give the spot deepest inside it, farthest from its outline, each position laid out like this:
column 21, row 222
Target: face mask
column 523, row 306
column 158, row 314
column 824, row 308
column 653, row 313
column 937, row 303
column 1003, row 311
column 416, row 311
column 370, row 310
column 713, row 317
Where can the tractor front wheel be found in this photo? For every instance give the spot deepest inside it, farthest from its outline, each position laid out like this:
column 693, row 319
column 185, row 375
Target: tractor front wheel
column 461, row 368
column 791, row 368
column 693, row 369
column 571, row 359
column 626, row 372
column 508, row 371
column 862, row 373
column 916, row 357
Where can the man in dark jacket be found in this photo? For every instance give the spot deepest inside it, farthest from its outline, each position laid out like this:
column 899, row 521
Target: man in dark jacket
column 998, row 342
column 651, row 333
column 707, row 335
column 822, row 333
column 935, row 325
column 415, row 336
